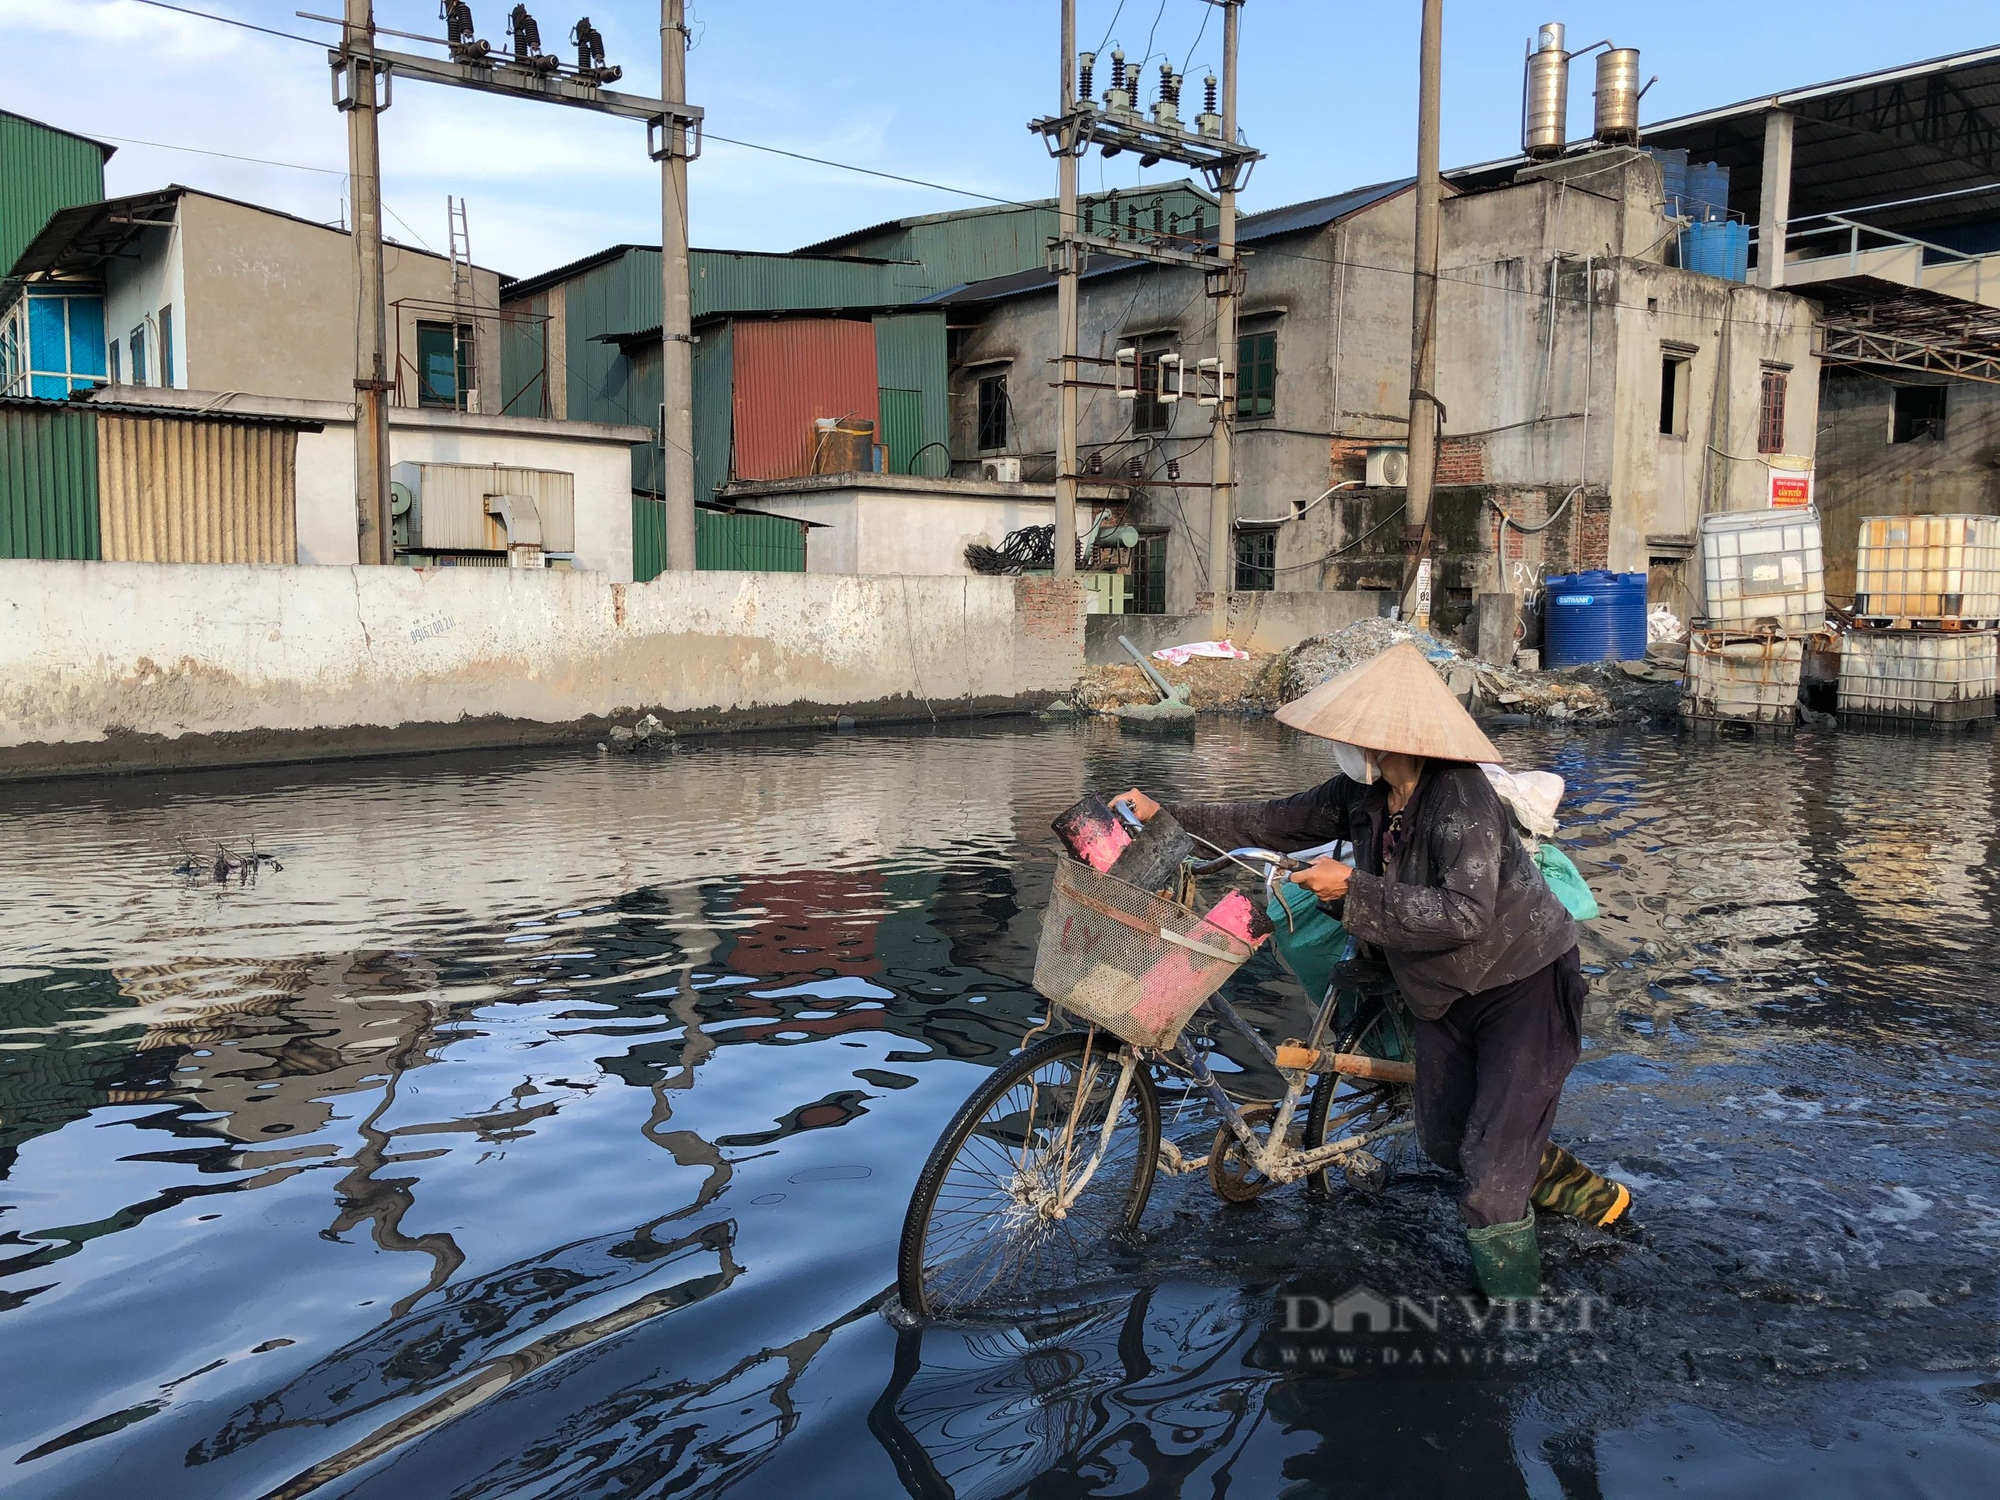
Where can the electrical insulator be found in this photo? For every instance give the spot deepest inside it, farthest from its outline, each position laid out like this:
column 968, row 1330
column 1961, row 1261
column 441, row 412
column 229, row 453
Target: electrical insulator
column 1086, row 66
column 1166, row 113
column 1200, row 213
column 1132, row 221
column 1090, row 218
column 1118, row 68
column 1159, row 219
column 1173, row 468
column 1135, row 468
column 1209, row 123
column 1096, row 464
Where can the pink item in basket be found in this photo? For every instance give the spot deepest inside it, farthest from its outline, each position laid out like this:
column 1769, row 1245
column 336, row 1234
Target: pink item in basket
column 1092, row 833
column 1170, row 981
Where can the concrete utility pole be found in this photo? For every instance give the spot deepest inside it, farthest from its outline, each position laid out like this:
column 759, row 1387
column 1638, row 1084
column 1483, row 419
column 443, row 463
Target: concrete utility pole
column 1222, row 506
column 676, row 306
column 362, row 104
column 1067, row 270
column 1423, row 299
column 361, row 72
column 1774, row 205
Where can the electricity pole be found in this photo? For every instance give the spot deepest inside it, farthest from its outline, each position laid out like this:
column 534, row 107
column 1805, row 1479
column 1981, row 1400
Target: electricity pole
column 1423, row 303
column 1221, row 532
column 1067, row 269
column 361, row 76
column 676, row 308
column 1211, row 147
column 361, row 101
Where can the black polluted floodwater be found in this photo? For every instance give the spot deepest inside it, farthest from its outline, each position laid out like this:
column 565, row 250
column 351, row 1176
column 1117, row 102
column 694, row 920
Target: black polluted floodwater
column 543, row 1126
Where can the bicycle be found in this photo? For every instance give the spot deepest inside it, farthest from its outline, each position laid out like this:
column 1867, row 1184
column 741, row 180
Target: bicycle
column 1054, row 1157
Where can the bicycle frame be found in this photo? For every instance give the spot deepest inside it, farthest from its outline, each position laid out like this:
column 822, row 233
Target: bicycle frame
column 1273, row 1156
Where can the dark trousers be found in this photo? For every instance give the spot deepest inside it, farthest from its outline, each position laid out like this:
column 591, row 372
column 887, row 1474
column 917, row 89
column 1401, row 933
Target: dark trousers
column 1489, row 1073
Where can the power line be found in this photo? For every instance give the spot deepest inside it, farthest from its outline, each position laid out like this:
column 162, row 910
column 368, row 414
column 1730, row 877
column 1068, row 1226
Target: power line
column 262, row 161
column 943, row 187
column 206, row 15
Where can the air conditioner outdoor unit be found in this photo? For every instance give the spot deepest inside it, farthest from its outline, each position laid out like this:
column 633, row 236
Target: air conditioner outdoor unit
column 1389, row 467
column 1000, row 470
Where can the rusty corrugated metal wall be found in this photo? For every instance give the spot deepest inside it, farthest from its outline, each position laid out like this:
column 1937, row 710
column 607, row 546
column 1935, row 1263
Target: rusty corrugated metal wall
column 790, row 371
column 210, row 491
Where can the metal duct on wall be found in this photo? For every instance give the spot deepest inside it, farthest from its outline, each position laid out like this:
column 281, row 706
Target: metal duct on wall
column 196, row 491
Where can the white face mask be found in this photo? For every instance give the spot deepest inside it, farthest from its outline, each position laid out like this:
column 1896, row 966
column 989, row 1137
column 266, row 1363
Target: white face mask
column 1357, row 764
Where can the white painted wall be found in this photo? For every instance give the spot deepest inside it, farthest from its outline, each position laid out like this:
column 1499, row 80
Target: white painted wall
column 893, row 525
column 93, row 652
column 134, row 293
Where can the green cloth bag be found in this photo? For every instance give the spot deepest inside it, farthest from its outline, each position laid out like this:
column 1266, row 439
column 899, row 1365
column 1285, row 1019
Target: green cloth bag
column 1311, row 943
column 1560, row 871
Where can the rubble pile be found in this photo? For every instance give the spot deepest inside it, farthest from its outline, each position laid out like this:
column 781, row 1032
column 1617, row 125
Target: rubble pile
column 1312, row 662
column 1214, row 686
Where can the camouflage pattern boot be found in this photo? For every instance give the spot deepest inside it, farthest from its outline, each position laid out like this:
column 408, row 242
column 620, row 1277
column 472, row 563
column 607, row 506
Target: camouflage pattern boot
column 1566, row 1186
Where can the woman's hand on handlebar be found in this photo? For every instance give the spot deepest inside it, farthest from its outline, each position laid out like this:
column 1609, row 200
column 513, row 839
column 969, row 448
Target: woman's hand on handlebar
column 1325, row 878
column 1142, row 806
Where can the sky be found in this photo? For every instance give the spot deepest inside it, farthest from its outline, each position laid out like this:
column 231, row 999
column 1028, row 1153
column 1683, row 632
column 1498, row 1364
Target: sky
column 938, row 90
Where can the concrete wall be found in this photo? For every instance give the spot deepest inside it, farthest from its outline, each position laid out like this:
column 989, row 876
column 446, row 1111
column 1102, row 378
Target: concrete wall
column 1862, row 473
column 115, row 666
column 1257, row 622
column 598, row 455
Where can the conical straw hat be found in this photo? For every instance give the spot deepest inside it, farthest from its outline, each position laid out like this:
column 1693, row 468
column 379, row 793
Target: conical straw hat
column 1396, row 702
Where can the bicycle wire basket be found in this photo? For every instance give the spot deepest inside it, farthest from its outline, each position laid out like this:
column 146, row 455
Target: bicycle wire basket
column 1122, row 958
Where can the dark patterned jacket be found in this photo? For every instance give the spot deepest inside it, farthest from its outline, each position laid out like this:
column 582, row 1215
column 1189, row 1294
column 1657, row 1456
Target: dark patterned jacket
column 1463, row 909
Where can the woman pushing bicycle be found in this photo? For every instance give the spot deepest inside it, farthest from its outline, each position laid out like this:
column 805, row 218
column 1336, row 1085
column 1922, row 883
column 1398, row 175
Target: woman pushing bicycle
column 1482, row 951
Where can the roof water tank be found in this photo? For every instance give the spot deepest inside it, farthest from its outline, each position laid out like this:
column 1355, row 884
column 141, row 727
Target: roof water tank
column 1594, row 616
column 1618, row 92
column 1545, row 105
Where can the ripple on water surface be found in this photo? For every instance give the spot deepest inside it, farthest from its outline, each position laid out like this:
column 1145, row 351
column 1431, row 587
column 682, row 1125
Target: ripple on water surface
column 543, row 1126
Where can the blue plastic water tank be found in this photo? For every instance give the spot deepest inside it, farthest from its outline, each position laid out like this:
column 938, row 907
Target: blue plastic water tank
column 1717, row 248
column 1595, row 616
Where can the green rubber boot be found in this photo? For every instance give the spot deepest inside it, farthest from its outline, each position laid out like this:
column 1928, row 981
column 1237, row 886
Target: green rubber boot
column 1506, row 1260
column 1566, row 1186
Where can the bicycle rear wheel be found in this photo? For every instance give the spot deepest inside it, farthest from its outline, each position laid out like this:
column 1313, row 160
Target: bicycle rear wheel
column 984, row 1224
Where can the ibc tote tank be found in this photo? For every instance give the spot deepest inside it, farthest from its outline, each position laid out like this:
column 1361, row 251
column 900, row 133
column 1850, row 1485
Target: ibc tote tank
column 1594, row 616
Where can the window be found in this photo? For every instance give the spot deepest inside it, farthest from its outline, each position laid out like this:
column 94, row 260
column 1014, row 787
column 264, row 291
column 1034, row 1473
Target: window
column 1919, row 413
column 992, row 412
column 1771, row 412
column 1149, row 412
column 441, row 379
column 138, row 346
column 166, row 346
column 1675, row 372
column 1257, row 375
column 116, row 376
column 1149, row 574
column 1257, row 558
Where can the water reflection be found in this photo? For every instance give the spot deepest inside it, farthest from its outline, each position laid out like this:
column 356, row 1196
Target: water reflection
column 544, row 1127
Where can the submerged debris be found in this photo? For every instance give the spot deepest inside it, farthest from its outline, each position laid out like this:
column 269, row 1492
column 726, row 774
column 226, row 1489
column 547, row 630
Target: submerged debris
column 647, row 733
column 196, row 864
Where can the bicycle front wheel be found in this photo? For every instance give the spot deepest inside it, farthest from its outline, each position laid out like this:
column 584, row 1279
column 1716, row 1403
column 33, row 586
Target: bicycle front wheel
column 997, row 1215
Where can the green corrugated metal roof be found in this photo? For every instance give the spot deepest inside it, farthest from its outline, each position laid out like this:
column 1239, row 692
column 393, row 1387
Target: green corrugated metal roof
column 43, row 170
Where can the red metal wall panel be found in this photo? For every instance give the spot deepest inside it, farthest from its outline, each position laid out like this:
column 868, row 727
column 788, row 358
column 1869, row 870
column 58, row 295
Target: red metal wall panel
column 790, row 371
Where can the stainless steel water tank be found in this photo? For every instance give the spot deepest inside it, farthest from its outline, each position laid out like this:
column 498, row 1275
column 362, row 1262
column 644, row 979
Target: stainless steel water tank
column 1545, row 105
column 1618, row 97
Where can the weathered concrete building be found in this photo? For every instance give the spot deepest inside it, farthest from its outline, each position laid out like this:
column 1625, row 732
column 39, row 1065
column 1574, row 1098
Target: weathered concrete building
column 200, row 292
column 1883, row 191
column 1596, row 399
